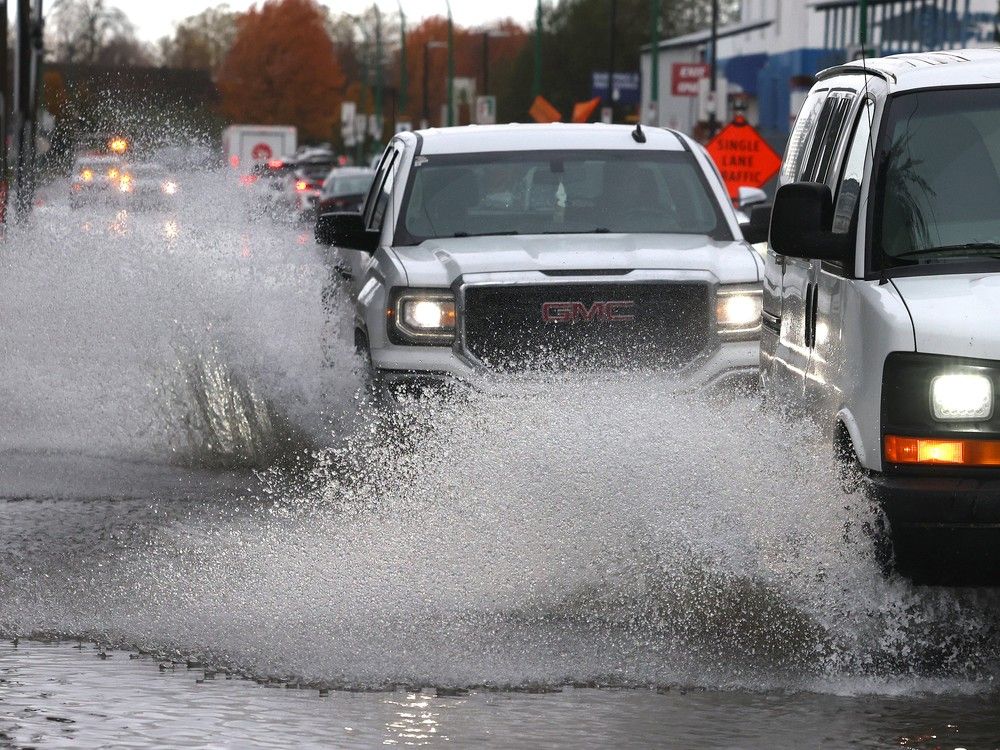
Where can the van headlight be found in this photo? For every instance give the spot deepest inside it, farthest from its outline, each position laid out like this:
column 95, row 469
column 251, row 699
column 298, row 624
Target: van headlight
column 738, row 309
column 962, row 397
column 423, row 317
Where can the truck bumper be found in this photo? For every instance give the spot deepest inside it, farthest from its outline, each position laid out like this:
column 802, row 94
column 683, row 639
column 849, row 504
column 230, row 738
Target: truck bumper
column 732, row 364
column 943, row 529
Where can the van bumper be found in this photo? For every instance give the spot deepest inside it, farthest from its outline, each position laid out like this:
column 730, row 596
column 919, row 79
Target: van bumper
column 943, row 529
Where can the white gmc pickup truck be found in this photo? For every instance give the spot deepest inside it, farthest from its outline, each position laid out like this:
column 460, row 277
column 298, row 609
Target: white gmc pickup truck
column 515, row 247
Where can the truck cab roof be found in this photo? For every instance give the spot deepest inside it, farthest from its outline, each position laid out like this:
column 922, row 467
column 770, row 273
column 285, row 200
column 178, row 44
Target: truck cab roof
column 919, row 70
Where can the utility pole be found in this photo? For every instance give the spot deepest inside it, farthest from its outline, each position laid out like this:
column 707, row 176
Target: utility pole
column 654, row 62
column 4, row 115
column 486, row 63
column 27, row 74
column 379, row 73
column 611, row 59
column 713, row 122
column 451, row 68
column 403, row 82
column 536, row 89
column 863, row 25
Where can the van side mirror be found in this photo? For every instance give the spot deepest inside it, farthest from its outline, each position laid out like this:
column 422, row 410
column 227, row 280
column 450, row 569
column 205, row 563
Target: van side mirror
column 756, row 229
column 345, row 229
column 800, row 223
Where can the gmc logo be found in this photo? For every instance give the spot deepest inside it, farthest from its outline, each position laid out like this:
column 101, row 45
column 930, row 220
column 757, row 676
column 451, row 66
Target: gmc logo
column 569, row 312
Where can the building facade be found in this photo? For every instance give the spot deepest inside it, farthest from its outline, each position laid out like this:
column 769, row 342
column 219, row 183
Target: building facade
column 767, row 61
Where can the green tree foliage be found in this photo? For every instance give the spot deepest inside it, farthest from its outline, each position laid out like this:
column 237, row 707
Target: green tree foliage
column 202, row 41
column 576, row 41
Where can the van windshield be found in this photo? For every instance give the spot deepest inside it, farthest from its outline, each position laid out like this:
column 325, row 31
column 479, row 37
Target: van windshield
column 559, row 192
column 940, row 178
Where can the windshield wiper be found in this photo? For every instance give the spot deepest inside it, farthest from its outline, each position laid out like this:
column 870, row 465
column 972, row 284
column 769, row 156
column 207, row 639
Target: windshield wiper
column 596, row 230
column 966, row 247
column 484, row 234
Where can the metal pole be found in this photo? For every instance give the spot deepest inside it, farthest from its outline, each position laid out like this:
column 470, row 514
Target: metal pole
column 403, row 73
column 28, row 64
column 713, row 122
column 451, row 68
column 4, row 114
column 486, row 63
column 426, row 112
column 379, row 72
column 611, row 59
column 536, row 89
column 654, row 63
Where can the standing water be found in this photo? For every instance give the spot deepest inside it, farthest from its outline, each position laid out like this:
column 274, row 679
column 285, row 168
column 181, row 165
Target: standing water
column 187, row 473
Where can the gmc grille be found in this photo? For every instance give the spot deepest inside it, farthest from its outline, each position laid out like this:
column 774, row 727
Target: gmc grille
column 607, row 325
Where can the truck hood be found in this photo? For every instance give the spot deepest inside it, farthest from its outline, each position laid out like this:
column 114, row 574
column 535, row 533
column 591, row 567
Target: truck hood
column 954, row 314
column 440, row 262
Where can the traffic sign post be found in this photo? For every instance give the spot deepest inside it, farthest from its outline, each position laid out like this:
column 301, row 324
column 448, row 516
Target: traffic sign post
column 743, row 157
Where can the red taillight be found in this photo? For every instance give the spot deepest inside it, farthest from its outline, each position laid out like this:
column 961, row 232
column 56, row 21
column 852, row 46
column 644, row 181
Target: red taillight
column 301, row 185
column 248, row 179
column 234, row 160
column 275, row 164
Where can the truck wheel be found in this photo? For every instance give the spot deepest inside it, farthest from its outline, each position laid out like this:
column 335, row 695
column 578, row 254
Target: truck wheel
column 875, row 525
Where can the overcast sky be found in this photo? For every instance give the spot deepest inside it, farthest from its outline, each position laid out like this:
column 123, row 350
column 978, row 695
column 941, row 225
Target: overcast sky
column 156, row 19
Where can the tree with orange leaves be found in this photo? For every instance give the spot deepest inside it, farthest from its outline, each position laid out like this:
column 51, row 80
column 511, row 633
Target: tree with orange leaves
column 283, row 69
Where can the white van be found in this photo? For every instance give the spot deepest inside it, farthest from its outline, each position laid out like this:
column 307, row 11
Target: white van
column 881, row 306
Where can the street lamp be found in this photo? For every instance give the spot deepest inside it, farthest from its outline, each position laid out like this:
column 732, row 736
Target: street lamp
column 428, row 45
column 486, row 56
column 451, row 68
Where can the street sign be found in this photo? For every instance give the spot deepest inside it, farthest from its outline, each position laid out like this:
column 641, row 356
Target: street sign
column 743, row 157
column 684, row 78
column 486, row 110
column 261, row 152
column 625, row 89
column 348, row 111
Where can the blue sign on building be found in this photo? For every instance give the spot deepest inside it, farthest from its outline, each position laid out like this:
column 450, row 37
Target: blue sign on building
column 625, row 89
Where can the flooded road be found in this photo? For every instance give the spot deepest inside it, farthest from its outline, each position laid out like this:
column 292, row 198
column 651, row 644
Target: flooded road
column 187, row 470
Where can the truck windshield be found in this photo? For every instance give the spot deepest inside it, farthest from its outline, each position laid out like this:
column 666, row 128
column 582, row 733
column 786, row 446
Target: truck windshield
column 940, row 178
column 559, row 192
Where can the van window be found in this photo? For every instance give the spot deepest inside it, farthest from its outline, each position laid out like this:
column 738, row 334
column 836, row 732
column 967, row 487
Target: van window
column 854, row 171
column 799, row 138
column 939, row 178
column 824, row 145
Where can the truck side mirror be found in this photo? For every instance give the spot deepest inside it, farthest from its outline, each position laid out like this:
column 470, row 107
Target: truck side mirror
column 750, row 196
column 345, row 229
column 756, row 229
column 800, row 223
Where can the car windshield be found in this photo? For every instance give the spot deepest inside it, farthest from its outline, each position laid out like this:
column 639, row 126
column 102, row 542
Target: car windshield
column 348, row 185
column 559, row 192
column 317, row 171
column 940, row 178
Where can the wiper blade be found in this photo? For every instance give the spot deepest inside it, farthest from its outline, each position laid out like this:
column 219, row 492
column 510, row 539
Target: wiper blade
column 484, row 234
column 596, row 230
column 974, row 247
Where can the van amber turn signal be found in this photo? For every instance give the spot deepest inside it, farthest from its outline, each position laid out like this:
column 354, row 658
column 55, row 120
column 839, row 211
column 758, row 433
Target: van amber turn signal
column 905, row 450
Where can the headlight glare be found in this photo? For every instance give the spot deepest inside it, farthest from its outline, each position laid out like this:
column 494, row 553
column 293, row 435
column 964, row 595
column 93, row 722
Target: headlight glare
column 425, row 316
column 738, row 310
column 962, row 397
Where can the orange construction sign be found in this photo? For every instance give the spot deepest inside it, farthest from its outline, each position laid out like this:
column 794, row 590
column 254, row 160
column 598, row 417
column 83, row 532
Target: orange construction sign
column 583, row 110
column 743, row 157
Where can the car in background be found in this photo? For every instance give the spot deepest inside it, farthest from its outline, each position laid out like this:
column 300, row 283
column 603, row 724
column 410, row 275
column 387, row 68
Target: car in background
column 305, row 183
column 146, row 185
column 344, row 189
column 94, row 178
column 266, row 185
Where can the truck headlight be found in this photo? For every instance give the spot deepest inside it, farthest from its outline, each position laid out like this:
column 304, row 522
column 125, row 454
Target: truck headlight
column 424, row 317
column 738, row 309
column 962, row 397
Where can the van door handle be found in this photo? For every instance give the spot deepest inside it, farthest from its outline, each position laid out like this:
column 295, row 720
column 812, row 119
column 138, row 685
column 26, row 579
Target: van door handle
column 811, row 311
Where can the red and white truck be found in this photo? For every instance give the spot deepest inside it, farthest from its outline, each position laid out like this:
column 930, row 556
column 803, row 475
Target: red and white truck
column 245, row 146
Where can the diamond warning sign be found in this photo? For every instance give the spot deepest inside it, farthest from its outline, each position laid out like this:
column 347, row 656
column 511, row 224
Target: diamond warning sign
column 743, row 157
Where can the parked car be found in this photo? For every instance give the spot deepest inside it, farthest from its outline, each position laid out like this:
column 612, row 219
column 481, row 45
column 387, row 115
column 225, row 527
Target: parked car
column 344, row 189
column 882, row 296
column 519, row 247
